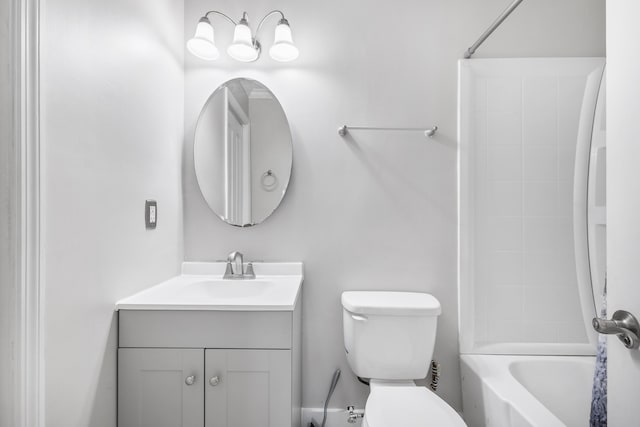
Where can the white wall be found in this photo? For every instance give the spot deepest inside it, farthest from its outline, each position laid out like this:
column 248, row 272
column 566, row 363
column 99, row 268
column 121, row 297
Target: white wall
column 8, row 210
column 375, row 210
column 112, row 127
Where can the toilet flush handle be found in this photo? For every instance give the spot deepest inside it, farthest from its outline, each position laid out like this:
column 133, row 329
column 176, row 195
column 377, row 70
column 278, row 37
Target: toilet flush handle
column 359, row 317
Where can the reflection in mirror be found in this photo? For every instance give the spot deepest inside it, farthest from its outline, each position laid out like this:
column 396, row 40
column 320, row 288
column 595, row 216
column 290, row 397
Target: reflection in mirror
column 243, row 152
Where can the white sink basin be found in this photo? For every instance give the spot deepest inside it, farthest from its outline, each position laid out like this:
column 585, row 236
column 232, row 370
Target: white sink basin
column 228, row 289
column 201, row 287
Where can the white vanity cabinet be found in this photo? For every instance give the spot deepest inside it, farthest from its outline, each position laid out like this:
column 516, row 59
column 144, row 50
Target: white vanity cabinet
column 209, row 368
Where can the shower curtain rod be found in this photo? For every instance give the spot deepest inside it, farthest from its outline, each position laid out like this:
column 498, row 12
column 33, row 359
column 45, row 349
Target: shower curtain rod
column 492, row 28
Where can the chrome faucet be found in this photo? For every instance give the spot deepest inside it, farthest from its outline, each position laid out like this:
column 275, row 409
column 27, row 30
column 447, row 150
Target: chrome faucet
column 235, row 260
column 235, row 267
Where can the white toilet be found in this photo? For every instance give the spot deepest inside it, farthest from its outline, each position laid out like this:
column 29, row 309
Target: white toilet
column 389, row 339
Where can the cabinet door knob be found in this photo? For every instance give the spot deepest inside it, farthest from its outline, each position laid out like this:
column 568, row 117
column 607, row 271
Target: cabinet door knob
column 214, row 381
column 190, row 380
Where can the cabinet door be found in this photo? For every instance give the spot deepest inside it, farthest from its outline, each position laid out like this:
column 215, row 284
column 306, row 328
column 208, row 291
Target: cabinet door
column 155, row 388
column 248, row 388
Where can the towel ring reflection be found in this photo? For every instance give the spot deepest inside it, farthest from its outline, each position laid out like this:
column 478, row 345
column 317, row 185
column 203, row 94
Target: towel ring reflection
column 269, row 181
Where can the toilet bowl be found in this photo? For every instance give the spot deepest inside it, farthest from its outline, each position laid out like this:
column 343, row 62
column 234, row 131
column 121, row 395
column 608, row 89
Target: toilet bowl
column 389, row 338
column 407, row 405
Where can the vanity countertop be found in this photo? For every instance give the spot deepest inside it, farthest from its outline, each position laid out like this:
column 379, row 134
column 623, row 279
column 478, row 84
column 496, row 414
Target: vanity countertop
column 201, row 287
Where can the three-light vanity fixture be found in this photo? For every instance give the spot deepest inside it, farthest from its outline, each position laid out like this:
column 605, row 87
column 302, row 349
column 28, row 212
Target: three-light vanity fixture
column 245, row 46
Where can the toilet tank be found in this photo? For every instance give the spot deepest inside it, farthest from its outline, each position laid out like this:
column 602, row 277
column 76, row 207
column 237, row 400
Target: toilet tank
column 389, row 335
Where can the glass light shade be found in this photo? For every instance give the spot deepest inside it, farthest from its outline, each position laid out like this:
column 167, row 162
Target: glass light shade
column 202, row 44
column 283, row 49
column 242, row 48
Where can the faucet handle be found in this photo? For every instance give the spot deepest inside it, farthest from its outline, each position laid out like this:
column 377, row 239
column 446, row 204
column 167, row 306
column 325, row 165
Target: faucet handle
column 249, row 274
column 228, row 271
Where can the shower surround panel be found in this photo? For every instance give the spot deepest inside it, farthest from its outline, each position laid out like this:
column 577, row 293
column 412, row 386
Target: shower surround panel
column 518, row 130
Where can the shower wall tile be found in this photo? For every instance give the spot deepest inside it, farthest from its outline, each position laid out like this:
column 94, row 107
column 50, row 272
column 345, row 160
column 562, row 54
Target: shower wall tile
column 564, row 242
column 505, row 268
column 504, row 94
column 565, row 276
column 505, row 303
column 480, row 306
column 552, row 302
column 480, row 96
column 540, row 110
column 540, row 93
column 540, row 234
column 505, row 163
column 570, row 94
column 505, row 232
column 481, row 168
column 504, row 198
column 540, row 269
column 540, row 163
column 481, row 331
column 566, row 162
column 565, row 198
column 540, row 198
column 504, row 128
column 540, row 128
column 540, row 331
column 571, row 332
column 480, row 129
column 501, row 331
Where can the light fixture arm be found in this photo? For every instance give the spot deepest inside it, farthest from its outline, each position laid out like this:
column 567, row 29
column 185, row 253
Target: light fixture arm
column 206, row 15
column 245, row 19
column 265, row 18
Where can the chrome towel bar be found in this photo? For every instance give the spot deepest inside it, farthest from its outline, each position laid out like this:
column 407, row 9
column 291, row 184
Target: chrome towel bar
column 344, row 129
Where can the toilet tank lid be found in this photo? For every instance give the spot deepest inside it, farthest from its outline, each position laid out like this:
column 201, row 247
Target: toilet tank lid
column 391, row 303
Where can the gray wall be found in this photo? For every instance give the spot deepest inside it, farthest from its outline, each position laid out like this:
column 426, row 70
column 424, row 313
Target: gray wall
column 375, row 210
column 112, row 130
column 8, row 211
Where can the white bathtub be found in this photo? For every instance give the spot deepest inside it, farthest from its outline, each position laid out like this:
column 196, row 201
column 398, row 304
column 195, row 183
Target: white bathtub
column 526, row 391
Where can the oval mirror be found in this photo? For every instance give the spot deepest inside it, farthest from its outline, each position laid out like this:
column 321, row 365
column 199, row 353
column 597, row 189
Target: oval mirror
column 243, row 152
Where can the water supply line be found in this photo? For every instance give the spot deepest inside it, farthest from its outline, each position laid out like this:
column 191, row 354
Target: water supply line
column 435, row 375
column 334, row 382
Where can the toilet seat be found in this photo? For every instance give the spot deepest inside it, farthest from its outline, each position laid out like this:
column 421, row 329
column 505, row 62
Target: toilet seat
column 409, row 406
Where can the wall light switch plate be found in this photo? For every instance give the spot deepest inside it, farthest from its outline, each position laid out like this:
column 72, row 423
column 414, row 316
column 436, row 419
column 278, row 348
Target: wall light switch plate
column 150, row 213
